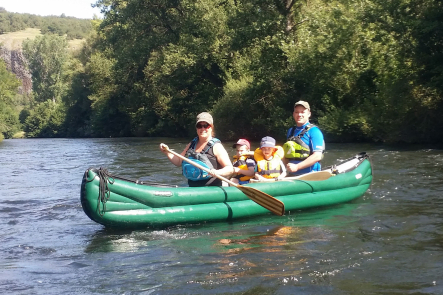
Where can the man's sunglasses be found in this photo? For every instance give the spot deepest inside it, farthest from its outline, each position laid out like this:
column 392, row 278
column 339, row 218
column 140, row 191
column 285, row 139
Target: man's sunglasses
column 205, row 125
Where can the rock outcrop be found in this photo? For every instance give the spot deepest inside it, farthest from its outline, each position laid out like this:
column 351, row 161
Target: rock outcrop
column 16, row 63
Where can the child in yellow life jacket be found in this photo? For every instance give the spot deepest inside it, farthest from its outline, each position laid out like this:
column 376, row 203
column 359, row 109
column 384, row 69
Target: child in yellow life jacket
column 244, row 164
column 269, row 160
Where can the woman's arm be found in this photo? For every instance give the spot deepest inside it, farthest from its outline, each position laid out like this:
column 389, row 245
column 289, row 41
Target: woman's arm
column 223, row 158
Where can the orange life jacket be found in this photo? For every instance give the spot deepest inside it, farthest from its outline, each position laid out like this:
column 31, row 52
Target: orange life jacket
column 240, row 162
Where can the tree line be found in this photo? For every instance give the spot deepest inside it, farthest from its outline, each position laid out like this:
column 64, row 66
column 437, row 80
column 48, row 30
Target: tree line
column 72, row 27
column 370, row 69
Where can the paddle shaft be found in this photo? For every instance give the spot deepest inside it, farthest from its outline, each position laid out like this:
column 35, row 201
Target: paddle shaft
column 313, row 176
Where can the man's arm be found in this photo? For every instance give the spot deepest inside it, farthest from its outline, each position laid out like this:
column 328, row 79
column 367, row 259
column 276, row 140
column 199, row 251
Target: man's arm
column 308, row 162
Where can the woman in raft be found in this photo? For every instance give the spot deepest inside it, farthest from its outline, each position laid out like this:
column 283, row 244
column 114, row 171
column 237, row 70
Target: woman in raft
column 205, row 150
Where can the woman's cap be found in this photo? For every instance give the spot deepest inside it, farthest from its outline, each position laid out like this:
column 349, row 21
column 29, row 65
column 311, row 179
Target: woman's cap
column 302, row 103
column 242, row 141
column 205, row 117
column 267, row 141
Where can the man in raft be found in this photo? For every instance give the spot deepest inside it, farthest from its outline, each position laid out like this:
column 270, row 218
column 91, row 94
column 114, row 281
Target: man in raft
column 305, row 144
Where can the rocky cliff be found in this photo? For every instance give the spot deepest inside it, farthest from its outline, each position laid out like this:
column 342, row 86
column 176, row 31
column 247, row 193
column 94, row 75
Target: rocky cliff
column 16, row 63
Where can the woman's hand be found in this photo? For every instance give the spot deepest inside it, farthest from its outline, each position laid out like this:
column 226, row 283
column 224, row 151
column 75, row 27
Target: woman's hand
column 164, row 148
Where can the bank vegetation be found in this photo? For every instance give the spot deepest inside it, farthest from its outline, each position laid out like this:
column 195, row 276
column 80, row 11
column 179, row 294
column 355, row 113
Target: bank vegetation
column 371, row 70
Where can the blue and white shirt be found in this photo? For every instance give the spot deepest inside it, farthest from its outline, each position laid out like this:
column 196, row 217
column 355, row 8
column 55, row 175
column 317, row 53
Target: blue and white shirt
column 314, row 139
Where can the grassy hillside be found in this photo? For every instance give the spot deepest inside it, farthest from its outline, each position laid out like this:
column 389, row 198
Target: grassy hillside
column 13, row 41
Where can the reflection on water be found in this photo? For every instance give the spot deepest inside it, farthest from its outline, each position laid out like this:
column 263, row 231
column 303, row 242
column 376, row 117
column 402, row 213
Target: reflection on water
column 275, row 237
column 389, row 241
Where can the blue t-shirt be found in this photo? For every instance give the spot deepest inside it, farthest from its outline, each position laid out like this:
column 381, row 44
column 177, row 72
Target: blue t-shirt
column 314, row 139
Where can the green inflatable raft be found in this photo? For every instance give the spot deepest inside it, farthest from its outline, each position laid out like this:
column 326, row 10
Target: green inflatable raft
column 114, row 201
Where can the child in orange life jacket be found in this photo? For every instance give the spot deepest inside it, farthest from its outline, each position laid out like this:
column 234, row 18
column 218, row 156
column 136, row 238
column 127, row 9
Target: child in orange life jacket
column 269, row 160
column 244, row 164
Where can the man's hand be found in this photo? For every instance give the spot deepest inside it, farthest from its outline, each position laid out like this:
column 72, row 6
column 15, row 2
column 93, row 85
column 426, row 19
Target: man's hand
column 291, row 167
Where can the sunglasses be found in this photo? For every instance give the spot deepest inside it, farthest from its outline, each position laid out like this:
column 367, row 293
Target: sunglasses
column 205, row 125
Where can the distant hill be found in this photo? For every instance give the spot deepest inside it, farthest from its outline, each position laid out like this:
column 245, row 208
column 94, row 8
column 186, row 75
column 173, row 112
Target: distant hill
column 17, row 27
column 73, row 28
column 13, row 41
column 11, row 53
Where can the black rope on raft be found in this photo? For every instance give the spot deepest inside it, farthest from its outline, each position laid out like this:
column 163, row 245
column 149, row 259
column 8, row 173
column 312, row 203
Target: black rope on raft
column 103, row 191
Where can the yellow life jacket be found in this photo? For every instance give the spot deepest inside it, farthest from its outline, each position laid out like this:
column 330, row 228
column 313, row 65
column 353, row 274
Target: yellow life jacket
column 269, row 168
column 240, row 162
column 295, row 148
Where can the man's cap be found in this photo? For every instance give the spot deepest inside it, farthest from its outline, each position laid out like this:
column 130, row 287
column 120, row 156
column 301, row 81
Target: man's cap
column 267, row 141
column 242, row 141
column 302, row 103
column 205, row 117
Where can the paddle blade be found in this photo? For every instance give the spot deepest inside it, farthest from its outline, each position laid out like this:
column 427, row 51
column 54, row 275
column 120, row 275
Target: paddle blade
column 263, row 199
column 315, row 176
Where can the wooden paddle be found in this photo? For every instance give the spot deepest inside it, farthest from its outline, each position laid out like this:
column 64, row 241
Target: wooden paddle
column 313, row 176
column 263, row 199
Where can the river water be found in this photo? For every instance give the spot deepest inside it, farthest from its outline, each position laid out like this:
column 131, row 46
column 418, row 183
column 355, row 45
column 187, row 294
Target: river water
column 390, row 241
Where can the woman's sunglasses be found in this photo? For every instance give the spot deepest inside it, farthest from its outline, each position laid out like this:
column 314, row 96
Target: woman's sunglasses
column 205, row 125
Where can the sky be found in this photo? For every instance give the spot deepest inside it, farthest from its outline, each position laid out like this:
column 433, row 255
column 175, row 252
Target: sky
column 75, row 8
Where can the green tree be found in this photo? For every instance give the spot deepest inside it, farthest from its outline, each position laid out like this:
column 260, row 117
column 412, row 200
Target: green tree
column 45, row 120
column 9, row 84
column 173, row 59
column 426, row 20
column 52, row 71
column 166, row 58
column 368, row 67
column 69, row 26
column 47, row 56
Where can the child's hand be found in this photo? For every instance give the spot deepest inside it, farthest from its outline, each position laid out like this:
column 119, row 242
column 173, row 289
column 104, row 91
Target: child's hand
column 258, row 176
